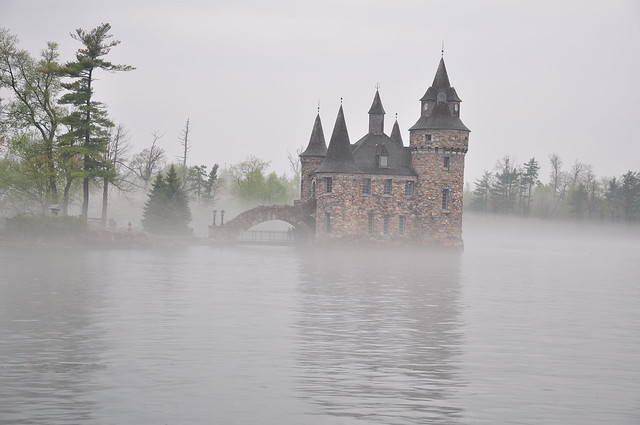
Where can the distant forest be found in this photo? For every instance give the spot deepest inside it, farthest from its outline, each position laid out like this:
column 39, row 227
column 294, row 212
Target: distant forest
column 572, row 192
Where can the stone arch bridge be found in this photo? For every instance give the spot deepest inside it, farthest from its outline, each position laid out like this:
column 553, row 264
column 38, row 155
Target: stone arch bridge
column 299, row 215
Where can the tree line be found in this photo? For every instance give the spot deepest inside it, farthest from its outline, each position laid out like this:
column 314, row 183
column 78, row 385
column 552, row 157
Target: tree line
column 574, row 192
column 58, row 144
column 54, row 133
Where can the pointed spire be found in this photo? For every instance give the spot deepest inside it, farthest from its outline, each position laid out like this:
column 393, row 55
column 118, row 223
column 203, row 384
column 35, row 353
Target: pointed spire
column 339, row 157
column 441, row 80
column 395, row 133
column 317, row 146
column 440, row 105
column 376, row 106
column 376, row 115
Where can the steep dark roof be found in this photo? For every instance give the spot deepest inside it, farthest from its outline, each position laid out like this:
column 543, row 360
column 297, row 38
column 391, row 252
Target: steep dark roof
column 441, row 80
column 440, row 119
column 441, row 83
column 339, row 158
column 376, row 106
column 317, row 146
column 371, row 145
column 395, row 134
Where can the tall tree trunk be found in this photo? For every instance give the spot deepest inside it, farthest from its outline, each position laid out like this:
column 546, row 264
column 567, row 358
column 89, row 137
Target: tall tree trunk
column 105, row 200
column 87, row 141
column 85, row 198
column 52, row 186
column 65, row 197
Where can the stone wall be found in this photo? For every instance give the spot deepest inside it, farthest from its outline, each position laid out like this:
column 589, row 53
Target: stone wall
column 438, row 224
column 308, row 165
column 349, row 208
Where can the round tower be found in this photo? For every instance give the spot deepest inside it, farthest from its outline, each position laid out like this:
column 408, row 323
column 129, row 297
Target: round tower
column 438, row 143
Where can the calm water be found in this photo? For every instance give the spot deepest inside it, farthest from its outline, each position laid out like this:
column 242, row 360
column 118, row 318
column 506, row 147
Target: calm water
column 536, row 326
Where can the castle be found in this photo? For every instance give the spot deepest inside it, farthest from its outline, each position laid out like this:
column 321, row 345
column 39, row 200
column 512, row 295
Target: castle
column 378, row 189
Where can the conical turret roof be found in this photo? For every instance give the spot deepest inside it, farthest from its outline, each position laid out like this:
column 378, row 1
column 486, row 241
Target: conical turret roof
column 317, row 146
column 441, row 83
column 441, row 80
column 395, row 133
column 339, row 157
column 376, row 106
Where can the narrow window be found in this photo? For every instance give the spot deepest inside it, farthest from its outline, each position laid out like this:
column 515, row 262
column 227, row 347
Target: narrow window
column 383, row 161
column 387, row 187
column 329, row 184
column 385, row 224
column 445, row 199
column 427, row 137
column 408, row 188
column 327, row 219
column 445, row 163
column 401, row 225
column 370, row 222
column 366, row 186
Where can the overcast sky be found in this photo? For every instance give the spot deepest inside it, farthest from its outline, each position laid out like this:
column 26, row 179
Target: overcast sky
column 536, row 76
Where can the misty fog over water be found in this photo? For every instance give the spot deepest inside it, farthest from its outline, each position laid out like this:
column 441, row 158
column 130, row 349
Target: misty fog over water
column 533, row 323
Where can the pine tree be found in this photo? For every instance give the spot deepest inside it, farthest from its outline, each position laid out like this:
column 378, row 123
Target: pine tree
column 88, row 121
column 167, row 209
column 529, row 178
column 480, row 201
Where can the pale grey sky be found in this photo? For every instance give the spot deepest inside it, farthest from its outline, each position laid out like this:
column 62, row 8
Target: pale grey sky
column 535, row 76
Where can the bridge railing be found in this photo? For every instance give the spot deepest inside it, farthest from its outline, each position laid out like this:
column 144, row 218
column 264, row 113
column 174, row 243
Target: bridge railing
column 267, row 236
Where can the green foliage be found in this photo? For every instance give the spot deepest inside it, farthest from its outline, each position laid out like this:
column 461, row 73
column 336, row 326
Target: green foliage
column 575, row 194
column 34, row 87
column 630, row 195
column 166, row 211
column 23, row 176
column 247, row 182
column 43, row 226
column 505, row 187
column 88, row 124
column 480, row 200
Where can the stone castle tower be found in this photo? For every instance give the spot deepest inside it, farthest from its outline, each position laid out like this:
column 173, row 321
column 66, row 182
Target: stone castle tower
column 377, row 189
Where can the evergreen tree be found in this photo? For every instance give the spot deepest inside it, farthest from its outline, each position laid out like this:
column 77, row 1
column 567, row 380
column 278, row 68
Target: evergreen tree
column 88, row 121
column 504, row 190
column 211, row 186
column 480, row 201
column 196, row 181
column 630, row 194
column 529, row 178
column 167, row 209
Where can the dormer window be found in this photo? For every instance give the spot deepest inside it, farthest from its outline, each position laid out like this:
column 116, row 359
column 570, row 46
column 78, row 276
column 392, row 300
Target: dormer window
column 442, row 97
column 382, row 156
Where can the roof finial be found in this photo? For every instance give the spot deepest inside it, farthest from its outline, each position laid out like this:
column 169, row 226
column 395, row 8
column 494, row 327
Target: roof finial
column 318, row 105
column 340, row 100
column 396, row 116
column 377, row 86
column 442, row 49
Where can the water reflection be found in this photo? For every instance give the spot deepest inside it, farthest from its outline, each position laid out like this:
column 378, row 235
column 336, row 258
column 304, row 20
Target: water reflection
column 379, row 335
column 49, row 345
